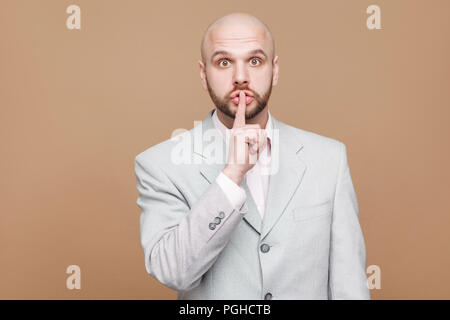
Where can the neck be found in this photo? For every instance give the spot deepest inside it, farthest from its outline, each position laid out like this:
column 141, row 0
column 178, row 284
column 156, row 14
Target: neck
column 261, row 119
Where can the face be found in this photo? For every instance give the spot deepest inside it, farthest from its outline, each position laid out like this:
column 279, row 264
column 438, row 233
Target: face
column 239, row 58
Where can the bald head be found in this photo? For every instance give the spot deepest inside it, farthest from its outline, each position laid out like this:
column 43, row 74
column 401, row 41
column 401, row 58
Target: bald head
column 236, row 27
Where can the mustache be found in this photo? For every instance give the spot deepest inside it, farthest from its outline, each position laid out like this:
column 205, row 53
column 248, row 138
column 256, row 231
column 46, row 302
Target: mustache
column 255, row 95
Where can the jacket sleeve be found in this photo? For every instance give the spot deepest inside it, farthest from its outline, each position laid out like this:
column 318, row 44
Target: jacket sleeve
column 347, row 275
column 181, row 243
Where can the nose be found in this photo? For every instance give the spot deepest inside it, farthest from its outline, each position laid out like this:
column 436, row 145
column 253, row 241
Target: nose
column 240, row 78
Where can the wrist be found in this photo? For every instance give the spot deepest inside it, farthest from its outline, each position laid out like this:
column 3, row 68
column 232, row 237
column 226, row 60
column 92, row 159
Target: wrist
column 234, row 174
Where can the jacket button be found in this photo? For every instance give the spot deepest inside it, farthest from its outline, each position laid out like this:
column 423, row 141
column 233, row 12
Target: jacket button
column 268, row 296
column 212, row 226
column 217, row 220
column 221, row 214
column 265, row 247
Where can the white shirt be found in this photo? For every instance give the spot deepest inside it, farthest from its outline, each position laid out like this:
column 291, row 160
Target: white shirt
column 257, row 178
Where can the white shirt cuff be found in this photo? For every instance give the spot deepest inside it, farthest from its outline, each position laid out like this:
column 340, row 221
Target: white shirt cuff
column 235, row 194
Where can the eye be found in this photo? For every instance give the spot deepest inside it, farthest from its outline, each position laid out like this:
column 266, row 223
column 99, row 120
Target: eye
column 224, row 63
column 255, row 61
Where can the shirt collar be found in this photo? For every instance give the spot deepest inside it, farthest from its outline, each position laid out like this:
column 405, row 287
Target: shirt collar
column 224, row 130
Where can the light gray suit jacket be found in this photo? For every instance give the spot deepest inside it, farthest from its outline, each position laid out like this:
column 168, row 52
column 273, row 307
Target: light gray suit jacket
column 309, row 245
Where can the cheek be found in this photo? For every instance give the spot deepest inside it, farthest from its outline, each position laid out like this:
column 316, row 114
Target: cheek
column 261, row 79
column 220, row 82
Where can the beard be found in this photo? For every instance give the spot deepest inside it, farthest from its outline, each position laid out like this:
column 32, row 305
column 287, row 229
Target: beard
column 223, row 104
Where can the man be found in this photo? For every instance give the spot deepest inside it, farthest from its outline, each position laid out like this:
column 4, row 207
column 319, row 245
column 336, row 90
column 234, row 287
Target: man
column 277, row 218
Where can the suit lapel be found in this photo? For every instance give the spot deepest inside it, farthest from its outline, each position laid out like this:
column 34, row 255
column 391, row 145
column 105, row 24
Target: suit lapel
column 252, row 216
column 288, row 174
column 210, row 168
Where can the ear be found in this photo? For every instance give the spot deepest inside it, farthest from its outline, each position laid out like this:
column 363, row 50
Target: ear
column 202, row 74
column 275, row 71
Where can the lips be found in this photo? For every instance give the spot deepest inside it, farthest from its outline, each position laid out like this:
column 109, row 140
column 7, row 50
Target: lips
column 248, row 97
column 236, row 94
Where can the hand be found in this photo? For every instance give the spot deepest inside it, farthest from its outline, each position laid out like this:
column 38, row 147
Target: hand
column 246, row 142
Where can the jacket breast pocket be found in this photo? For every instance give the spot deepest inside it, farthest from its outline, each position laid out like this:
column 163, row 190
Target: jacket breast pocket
column 321, row 210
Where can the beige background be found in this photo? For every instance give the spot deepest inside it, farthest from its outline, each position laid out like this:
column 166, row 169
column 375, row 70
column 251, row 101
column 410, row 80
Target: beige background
column 78, row 106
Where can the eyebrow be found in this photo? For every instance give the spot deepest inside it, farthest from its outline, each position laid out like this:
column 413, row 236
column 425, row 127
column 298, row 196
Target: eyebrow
column 226, row 53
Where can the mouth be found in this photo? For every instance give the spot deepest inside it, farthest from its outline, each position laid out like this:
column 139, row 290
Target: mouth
column 248, row 97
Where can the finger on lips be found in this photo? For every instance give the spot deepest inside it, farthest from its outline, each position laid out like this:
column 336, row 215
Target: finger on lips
column 252, row 134
column 239, row 119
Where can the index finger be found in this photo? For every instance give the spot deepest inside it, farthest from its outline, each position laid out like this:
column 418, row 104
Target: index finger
column 239, row 119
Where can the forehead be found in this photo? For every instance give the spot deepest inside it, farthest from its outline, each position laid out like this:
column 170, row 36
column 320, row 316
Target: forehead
column 237, row 39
